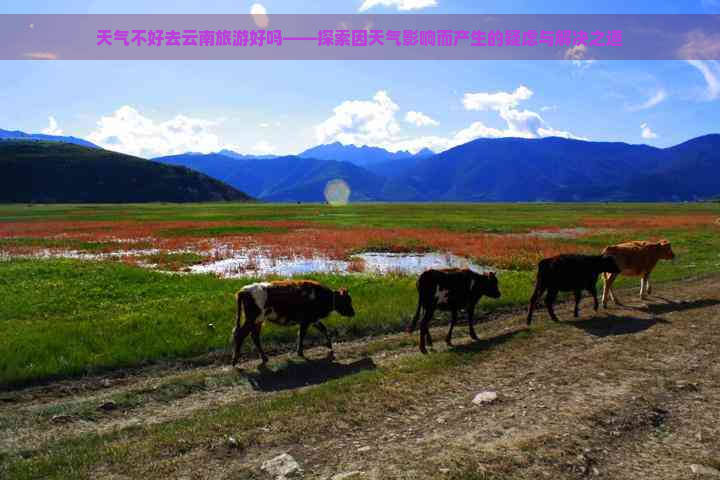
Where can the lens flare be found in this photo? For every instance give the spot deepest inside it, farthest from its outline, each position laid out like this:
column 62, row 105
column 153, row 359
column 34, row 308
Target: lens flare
column 337, row 192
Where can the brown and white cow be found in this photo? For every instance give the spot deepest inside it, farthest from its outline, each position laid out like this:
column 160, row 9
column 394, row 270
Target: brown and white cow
column 450, row 289
column 288, row 302
column 635, row 259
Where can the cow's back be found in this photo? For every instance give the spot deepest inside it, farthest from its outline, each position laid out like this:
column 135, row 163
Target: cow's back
column 567, row 272
column 634, row 258
column 447, row 288
column 287, row 302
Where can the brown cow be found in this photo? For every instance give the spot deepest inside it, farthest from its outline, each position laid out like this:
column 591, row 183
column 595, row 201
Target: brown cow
column 635, row 259
column 450, row 289
column 289, row 302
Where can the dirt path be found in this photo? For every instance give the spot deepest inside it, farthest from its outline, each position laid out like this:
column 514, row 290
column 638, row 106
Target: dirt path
column 631, row 392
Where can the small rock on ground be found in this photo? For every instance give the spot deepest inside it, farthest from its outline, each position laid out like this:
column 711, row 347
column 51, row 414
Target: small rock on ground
column 281, row 467
column 485, row 397
column 703, row 470
column 354, row 475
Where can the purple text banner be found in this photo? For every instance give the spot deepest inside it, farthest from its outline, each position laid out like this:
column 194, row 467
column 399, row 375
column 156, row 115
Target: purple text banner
column 360, row 37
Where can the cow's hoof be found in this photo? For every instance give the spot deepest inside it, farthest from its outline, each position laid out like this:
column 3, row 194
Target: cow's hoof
column 475, row 337
column 449, row 343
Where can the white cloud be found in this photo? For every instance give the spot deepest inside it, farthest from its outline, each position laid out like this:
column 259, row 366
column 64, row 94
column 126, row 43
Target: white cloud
column 52, row 128
column 578, row 55
column 658, row 97
column 263, row 148
column 258, row 9
column 548, row 108
column 264, row 125
column 646, row 132
column 361, row 122
column 399, row 4
column 710, row 70
column 496, row 100
column 419, row 119
column 374, row 123
column 128, row 131
column 259, row 15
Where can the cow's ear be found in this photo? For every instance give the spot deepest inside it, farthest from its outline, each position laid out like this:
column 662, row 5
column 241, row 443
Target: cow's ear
column 343, row 291
column 664, row 242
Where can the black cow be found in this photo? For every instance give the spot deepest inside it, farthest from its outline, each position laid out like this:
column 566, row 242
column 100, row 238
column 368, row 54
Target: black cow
column 450, row 289
column 290, row 302
column 569, row 273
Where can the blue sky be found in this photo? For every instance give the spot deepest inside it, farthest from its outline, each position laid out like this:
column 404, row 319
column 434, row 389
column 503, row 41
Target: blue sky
column 156, row 108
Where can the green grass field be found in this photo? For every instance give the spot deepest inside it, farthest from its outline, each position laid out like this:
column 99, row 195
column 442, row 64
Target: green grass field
column 63, row 318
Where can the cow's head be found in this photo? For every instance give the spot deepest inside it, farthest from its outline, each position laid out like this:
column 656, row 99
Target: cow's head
column 608, row 264
column 665, row 250
column 488, row 283
column 343, row 303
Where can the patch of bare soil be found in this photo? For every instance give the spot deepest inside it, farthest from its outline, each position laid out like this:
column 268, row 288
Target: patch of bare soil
column 629, row 392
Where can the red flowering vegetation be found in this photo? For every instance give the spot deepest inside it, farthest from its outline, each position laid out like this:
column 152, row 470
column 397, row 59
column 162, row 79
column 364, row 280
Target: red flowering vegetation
column 218, row 240
column 652, row 222
column 505, row 251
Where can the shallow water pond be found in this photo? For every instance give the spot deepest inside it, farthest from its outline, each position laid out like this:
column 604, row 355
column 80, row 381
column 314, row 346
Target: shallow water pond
column 258, row 264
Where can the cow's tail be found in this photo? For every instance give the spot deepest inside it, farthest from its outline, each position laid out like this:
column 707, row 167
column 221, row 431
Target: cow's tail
column 238, row 314
column 411, row 326
column 239, row 301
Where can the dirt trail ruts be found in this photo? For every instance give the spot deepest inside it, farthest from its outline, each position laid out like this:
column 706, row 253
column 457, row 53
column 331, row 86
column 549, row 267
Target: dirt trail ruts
column 631, row 392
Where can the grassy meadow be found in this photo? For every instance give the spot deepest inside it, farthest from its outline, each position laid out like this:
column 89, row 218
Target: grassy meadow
column 69, row 317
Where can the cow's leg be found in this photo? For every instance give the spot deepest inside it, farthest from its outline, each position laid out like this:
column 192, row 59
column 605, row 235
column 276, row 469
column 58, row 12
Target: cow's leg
column 453, row 320
column 549, row 301
column 611, row 293
column 425, row 338
column 471, row 321
column 648, row 287
column 593, row 291
column 324, row 331
column 642, row 288
column 256, row 340
column 239, row 337
column 539, row 290
column 304, row 324
column 578, row 296
column 605, row 277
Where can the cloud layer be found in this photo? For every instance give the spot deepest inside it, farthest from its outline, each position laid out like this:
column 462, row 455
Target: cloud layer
column 128, row 131
column 52, row 128
column 646, row 132
column 399, row 4
column 710, row 71
column 373, row 122
column 419, row 119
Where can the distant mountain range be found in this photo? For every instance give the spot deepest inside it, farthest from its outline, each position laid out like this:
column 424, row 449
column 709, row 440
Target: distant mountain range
column 283, row 179
column 375, row 159
column 499, row 169
column 6, row 135
column 488, row 170
column 49, row 172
